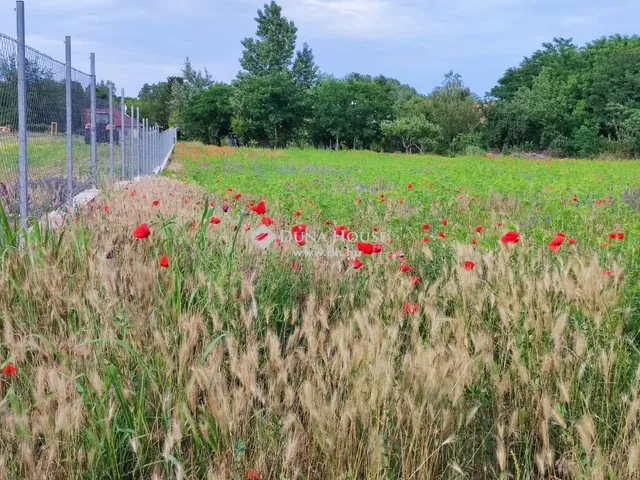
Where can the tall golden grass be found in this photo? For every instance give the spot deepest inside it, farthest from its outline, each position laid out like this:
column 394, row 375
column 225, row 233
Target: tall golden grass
column 230, row 360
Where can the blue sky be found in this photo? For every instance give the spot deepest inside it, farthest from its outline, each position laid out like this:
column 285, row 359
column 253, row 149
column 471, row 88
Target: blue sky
column 415, row 41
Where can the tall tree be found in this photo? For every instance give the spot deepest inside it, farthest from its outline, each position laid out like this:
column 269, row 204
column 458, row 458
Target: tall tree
column 272, row 91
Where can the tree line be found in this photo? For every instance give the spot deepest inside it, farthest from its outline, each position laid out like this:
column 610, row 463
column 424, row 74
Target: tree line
column 564, row 99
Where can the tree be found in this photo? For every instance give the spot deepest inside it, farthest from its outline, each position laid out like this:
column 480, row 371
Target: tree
column 414, row 131
column 209, row 114
column 183, row 92
column 272, row 100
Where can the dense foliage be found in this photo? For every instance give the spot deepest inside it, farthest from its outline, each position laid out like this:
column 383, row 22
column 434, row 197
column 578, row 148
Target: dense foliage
column 564, row 99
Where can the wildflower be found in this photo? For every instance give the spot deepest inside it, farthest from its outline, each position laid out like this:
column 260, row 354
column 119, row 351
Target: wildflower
column 142, row 231
column 426, row 239
column 442, row 234
column 574, row 199
column 572, row 241
column 297, row 213
column 212, row 205
column 510, row 237
column 555, row 243
column 613, row 235
column 260, row 208
column 605, row 245
column 106, row 208
column 444, row 222
column 377, row 248
column 415, row 281
column 10, row 369
column 499, row 224
column 214, row 220
column 267, row 221
column 474, row 242
column 409, row 186
column 608, row 273
column 620, row 235
column 479, row 229
column 164, row 261
column 155, row 203
column 237, row 196
column 298, row 232
column 225, row 208
column 411, row 308
column 365, row 247
column 405, row 267
column 246, row 226
column 469, row 265
column 328, row 222
column 356, row 263
column 426, row 227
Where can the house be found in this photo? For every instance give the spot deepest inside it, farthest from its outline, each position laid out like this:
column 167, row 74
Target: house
column 102, row 117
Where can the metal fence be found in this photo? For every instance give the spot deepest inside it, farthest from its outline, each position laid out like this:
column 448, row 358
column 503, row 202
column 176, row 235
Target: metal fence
column 57, row 138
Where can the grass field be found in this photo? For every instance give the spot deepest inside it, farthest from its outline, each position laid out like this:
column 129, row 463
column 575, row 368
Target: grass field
column 454, row 352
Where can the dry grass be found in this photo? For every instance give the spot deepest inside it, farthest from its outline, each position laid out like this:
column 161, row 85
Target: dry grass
column 226, row 362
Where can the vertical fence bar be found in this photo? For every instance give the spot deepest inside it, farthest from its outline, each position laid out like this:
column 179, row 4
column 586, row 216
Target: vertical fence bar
column 67, row 45
column 144, row 147
column 122, row 132
column 94, row 139
column 111, row 163
column 133, row 143
column 22, row 115
column 138, row 138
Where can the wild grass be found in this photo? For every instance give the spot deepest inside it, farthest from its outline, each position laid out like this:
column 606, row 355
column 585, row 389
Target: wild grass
column 235, row 358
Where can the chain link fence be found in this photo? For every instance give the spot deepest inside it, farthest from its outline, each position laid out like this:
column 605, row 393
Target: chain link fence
column 55, row 142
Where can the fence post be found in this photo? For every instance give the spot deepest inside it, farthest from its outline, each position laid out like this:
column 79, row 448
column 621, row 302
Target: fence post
column 145, row 156
column 138, row 138
column 67, row 44
column 133, row 142
column 122, row 133
column 94, row 143
column 111, row 163
column 22, row 115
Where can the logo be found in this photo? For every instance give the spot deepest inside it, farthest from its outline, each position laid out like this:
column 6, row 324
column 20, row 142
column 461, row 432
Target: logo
column 263, row 237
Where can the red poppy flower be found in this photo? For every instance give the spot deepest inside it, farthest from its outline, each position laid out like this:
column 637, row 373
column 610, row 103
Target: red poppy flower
column 214, row 220
column 574, row 199
column 426, row 226
column 469, row 265
column 572, row 241
column 106, row 208
column 328, row 222
column 356, row 263
column 10, row 369
column 442, row 234
column 409, row 186
column 229, row 190
column 297, row 213
column 479, row 229
column 155, row 203
column 365, row 247
column 298, row 232
column 375, row 229
column 212, row 205
column 426, row 240
column 267, row 221
column 225, row 208
column 359, row 201
column 620, row 235
column 474, row 242
column 613, row 235
column 415, row 281
column 499, row 224
column 164, row 261
column 142, row 231
column 605, row 245
column 246, row 226
column 510, row 237
column 237, row 196
column 405, row 267
column 411, row 308
column 133, row 194
column 377, row 248
column 555, row 243
column 608, row 273
column 444, row 221
column 260, row 208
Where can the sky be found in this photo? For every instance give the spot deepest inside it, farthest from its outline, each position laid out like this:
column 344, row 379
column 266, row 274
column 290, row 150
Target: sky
column 415, row 41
